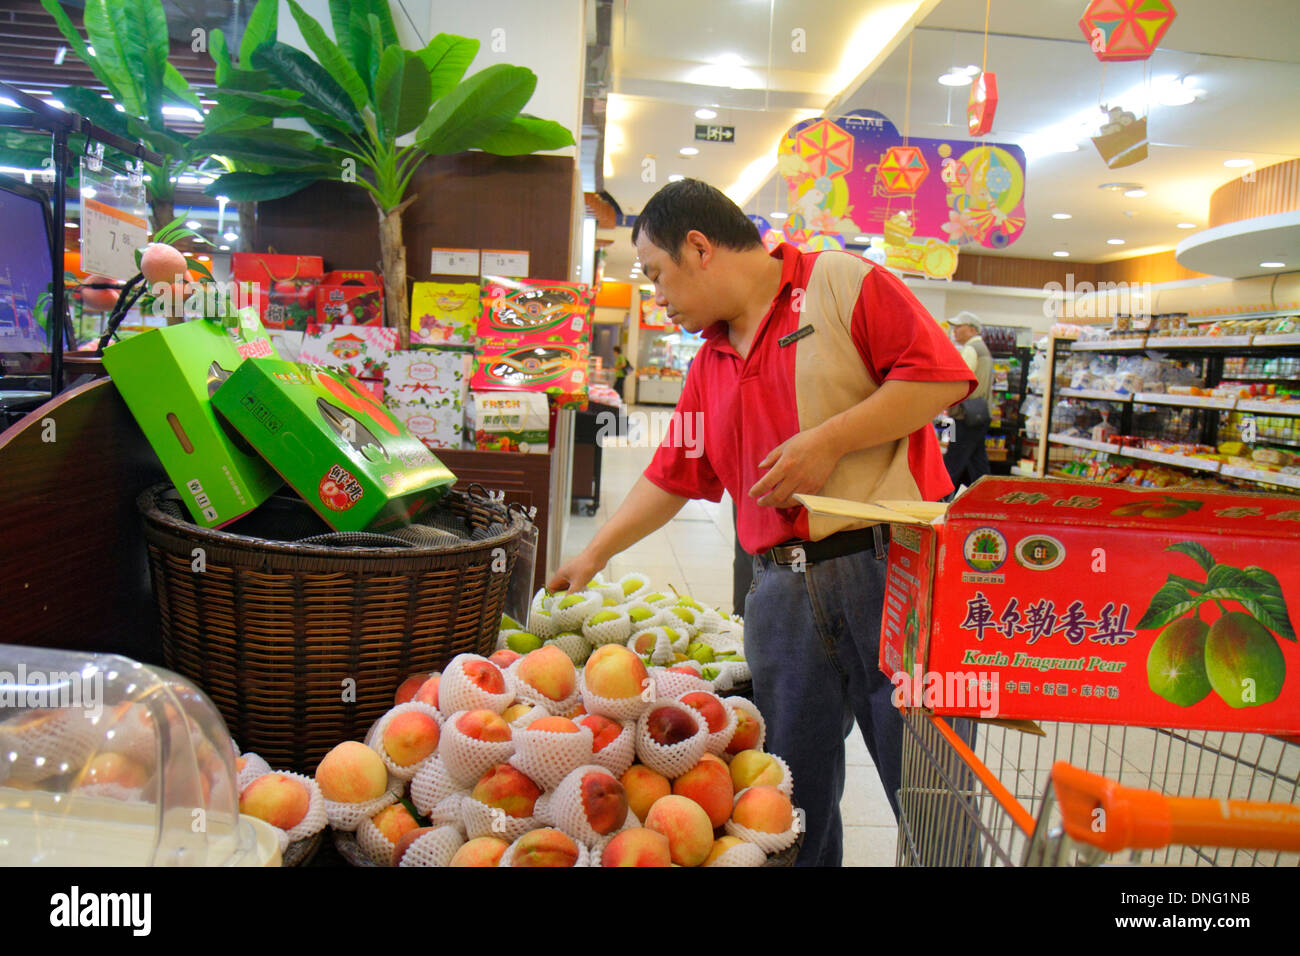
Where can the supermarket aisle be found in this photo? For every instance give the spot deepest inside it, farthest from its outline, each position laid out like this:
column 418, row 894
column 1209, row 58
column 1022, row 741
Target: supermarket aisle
column 694, row 552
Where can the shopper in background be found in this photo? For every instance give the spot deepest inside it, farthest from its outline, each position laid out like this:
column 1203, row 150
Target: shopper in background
column 620, row 370
column 966, row 457
column 819, row 373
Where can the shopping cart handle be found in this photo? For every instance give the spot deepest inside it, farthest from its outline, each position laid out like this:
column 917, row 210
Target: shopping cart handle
column 1103, row 813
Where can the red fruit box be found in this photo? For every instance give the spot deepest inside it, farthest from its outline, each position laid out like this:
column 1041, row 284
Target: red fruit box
column 350, row 298
column 1059, row 600
column 538, row 311
column 286, row 286
column 556, row 370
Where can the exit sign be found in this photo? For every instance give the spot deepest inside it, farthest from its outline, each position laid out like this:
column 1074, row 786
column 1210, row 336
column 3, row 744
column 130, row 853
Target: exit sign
column 715, row 134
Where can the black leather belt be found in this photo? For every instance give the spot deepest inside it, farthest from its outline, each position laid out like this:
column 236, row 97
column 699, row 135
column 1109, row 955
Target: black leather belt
column 833, row 546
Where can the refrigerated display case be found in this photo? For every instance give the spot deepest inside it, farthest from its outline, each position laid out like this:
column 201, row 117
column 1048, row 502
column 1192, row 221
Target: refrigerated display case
column 662, row 364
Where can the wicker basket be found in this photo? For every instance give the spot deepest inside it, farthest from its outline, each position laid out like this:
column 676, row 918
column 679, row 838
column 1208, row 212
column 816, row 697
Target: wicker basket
column 302, row 646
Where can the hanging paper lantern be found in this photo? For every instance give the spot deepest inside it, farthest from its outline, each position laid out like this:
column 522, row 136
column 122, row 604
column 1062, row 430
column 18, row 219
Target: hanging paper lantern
column 826, row 148
column 902, row 169
column 983, row 104
column 796, row 228
column 1126, row 29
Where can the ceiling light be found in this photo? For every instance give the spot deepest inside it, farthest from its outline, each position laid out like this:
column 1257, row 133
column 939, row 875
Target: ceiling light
column 862, row 240
column 204, row 258
column 727, row 70
column 1175, row 90
column 1114, row 242
column 1061, row 215
column 230, row 236
column 1238, row 163
column 1060, row 253
column 959, row 76
column 192, row 224
column 90, row 50
column 1135, row 193
column 1272, row 265
column 688, row 151
column 676, row 178
column 705, row 113
column 72, row 225
column 59, row 54
column 1187, row 225
column 1120, row 187
column 224, row 248
column 776, row 215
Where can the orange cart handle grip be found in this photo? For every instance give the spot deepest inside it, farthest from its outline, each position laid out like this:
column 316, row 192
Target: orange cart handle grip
column 1105, row 814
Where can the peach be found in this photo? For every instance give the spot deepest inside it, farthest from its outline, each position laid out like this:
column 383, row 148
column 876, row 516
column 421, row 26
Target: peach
column 645, row 642
column 485, row 675
column 603, row 730
column 637, row 847
column 160, row 262
column 604, row 801
column 748, row 730
column 114, row 768
column 753, row 768
column 555, row 725
column 407, row 838
column 515, row 711
column 508, row 790
column 708, row 783
column 480, row 851
column 549, row 671
column 407, row 689
column 720, row 846
column 615, row 672
column 644, row 786
column 686, row 825
column 240, row 763
column 351, row 773
column 428, row 692
column 545, row 847
column 671, row 725
column 578, row 711
column 279, row 800
column 409, row 737
column 483, row 725
column 715, row 715
column 394, row 822
column 765, row 809
column 504, row 657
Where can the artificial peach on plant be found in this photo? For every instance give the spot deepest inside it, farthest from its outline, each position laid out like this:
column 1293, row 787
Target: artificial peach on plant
column 549, row 671
column 545, row 847
column 161, row 263
column 637, row 846
column 351, row 773
column 409, row 737
column 614, row 672
column 483, row 724
column 687, row 827
column 644, row 786
column 278, row 799
column 480, row 851
column 508, row 790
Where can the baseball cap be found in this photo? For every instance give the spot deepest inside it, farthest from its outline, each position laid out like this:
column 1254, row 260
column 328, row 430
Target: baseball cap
column 965, row 318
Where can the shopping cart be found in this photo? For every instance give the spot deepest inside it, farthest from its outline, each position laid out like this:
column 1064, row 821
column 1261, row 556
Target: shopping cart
column 1019, row 793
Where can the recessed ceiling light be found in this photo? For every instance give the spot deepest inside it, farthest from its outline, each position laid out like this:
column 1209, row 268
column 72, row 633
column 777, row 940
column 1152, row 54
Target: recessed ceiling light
column 1238, row 163
column 705, row 113
column 1060, row 253
column 864, row 240
column 1135, row 193
column 776, row 215
column 1272, row 265
column 688, row 151
column 1120, row 187
column 230, row 236
column 224, row 248
column 1061, row 215
column 205, row 258
column 676, row 178
column 1187, row 225
column 192, row 224
column 959, row 76
column 1114, row 242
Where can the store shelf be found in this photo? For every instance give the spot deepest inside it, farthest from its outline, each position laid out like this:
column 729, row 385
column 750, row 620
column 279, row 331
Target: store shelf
column 1117, row 345
column 1181, row 461
column 1198, row 343
column 1268, row 408
column 1259, row 474
column 1083, row 443
column 1185, row 401
column 1287, row 338
column 1094, row 395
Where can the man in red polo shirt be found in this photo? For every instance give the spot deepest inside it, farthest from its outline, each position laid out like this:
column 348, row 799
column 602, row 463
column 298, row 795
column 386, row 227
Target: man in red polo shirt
column 820, row 374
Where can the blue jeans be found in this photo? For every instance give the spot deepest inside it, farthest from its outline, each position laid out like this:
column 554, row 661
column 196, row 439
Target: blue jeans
column 812, row 640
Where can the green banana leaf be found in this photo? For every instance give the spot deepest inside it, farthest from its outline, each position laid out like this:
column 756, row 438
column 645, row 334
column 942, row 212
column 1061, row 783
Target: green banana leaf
column 402, row 92
column 447, row 57
column 478, row 107
column 294, row 69
column 254, row 187
column 526, row 134
column 330, row 57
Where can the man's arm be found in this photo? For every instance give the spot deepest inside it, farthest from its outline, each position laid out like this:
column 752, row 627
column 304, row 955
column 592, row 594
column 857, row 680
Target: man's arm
column 802, row 464
column 646, row 509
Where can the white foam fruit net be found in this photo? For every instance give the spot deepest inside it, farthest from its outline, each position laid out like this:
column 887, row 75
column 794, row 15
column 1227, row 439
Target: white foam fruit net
column 254, row 767
column 432, row 784
column 617, row 708
column 570, row 618
column 375, row 739
column 567, row 812
column 480, row 820
column 742, row 854
column 584, row 855
column 617, row 755
column 634, row 585
column 529, row 694
column 547, row 756
column 672, row 760
column 653, row 641
column 655, row 618
column 456, row 691
column 315, row 819
column 743, row 703
column 614, row 631
column 466, row 758
column 540, row 622
column 674, row 683
column 576, row 647
column 767, row 842
column 435, row 848
column 374, row 844
column 718, row 739
column 682, row 618
column 348, row 816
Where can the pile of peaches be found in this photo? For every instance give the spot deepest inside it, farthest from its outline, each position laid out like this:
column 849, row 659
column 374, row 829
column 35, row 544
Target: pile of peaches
column 529, row 760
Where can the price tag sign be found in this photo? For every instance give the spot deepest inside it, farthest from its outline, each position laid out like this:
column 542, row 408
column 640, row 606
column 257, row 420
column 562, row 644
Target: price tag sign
column 511, row 263
column 455, row 262
column 113, row 223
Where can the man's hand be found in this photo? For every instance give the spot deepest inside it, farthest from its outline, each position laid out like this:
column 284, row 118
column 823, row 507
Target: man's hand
column 575, row 575
column 799, row 465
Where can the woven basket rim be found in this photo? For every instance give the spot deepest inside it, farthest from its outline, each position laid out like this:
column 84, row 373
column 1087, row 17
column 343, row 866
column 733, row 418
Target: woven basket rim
column 147, row 504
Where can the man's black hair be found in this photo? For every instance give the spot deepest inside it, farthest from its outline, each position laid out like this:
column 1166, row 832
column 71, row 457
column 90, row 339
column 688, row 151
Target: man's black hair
column 689, row 204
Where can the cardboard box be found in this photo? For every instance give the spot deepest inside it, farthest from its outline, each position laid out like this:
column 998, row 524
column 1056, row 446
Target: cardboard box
column 286, row 286
column 556, row 370
column 1076, row 601
column 428, row 389
column 444, row 313
column 350, row 298
column 360, row 351
column 436, row 427
column 535, row 311
column 166, row 377
column 345, row 454
column 511, row 421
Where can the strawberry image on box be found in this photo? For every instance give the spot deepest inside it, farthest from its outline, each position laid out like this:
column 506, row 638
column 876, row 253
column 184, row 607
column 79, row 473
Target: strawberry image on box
column 361, row 351
column 350, row 298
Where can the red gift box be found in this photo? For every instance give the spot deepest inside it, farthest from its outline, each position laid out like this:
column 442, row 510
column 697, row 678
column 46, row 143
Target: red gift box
column 286, row 286
column 354, row 297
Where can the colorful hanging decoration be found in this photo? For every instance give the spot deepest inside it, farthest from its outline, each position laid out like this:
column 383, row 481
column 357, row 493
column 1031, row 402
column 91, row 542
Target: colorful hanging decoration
column 827, row 149
column 1122, row 141
column 983, row 103
column 929, row 258
column 902, row 170
column 1126, row 29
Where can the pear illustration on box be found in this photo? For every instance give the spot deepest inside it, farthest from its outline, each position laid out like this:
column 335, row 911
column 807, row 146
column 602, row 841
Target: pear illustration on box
column 336, row 446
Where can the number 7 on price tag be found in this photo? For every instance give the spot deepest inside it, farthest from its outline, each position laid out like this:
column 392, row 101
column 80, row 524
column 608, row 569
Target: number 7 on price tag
column 109, row 238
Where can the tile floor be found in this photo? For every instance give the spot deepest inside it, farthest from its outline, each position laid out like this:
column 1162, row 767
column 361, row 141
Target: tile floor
column 694, row 552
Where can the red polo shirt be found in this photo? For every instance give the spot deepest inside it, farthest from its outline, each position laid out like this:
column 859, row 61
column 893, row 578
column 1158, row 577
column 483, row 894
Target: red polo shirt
column 737, row 410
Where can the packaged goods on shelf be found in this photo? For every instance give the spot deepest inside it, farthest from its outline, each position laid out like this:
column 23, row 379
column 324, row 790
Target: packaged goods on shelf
column 350, row 298
column 360, row 351
column 286, row 285
column 427, row 389
column 444, row 313
column 510, row 421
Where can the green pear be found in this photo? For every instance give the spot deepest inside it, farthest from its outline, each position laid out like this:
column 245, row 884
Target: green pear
column 700, row 652
column 600, row 617
column 630, row 586
column 521, row 642
column 571, row 600
column 640, row 614
column 685, row 613
column 652, row 598
column 1245, row 666
column 1176, row 662
column 508, row 623
column 690, row 602
column 672, row 635
column 709, row 672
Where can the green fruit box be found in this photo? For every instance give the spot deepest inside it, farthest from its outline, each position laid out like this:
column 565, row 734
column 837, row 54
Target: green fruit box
column 1074, row 601
column 350, row 459
column 166, row 377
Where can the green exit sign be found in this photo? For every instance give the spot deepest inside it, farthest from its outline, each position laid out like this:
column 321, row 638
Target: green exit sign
column 715, row 134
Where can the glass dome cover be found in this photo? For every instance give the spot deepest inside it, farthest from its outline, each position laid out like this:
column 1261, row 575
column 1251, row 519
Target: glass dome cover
column 105, row 761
